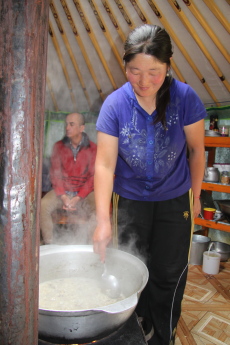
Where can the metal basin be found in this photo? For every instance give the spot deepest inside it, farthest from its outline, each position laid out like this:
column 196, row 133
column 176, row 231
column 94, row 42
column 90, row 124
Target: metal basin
column 81, row 326
column 222, row 248
column 224, row 206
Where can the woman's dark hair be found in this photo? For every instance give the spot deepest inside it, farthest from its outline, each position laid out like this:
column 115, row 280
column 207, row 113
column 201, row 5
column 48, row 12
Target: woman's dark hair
column 155, row 41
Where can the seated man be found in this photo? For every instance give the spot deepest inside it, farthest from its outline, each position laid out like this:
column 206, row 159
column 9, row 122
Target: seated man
column 71, row 174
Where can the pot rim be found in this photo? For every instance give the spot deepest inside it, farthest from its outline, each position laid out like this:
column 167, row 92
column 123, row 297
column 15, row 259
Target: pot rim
column 120, row 306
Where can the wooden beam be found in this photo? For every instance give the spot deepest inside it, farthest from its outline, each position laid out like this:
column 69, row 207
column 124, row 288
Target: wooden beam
column 107, row 35
column 59, row 54
column 182, row 49
column 217, row 13
column 69, row 49
column 51, row 93
column 192, row 7
column 212, row 35
column 123, row 11
column 113, row 20
column 95, row 42
column 178, row 10
column 81, row 46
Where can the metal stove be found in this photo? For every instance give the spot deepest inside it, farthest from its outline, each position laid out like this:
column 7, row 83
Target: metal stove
column 131, row 333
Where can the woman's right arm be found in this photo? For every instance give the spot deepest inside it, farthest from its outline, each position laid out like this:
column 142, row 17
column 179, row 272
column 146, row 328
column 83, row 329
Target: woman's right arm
column 106, row 158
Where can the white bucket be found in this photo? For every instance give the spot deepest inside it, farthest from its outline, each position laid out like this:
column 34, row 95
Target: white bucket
column 211, row 262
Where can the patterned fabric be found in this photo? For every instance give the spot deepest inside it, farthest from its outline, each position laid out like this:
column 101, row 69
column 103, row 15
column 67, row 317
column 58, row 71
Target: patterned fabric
column 152, row 163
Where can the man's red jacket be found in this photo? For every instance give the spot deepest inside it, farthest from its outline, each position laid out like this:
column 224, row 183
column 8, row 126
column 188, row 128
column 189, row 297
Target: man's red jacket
column 72, row 175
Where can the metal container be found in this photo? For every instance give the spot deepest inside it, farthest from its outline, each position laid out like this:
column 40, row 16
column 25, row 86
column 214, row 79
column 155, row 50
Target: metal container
column 222, row 248
column 210, row 133
column 80, row 261
column 199, row 245
column 224, row 206
column 211, row 174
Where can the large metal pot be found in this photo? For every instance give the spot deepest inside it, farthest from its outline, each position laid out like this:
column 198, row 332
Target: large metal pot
column 222, row 248
column 80, row 261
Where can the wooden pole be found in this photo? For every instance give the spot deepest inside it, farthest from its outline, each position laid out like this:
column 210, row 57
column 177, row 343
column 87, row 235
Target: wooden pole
column 177, row 71
column 182, row 49
column 139, row 11
column 81, row 45
column 113, row 20
column 59, row 54
column 123, row 11
column 95, row 43
column 107, row 35
column 67, row 45
column 23, row 41
column 217, row 13
column 177, row 9
column 192, row 7
column 51, row 93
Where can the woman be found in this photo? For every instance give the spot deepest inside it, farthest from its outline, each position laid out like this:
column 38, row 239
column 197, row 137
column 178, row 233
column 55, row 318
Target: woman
column 151, row 156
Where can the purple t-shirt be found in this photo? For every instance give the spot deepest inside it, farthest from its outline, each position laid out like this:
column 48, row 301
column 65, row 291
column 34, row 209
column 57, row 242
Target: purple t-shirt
column 152, row 163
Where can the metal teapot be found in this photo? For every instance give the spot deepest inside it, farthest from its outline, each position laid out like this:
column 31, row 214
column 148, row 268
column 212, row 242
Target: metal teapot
column 211, row 174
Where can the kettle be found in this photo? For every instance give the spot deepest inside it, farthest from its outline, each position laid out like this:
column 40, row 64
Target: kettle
column 211, row 174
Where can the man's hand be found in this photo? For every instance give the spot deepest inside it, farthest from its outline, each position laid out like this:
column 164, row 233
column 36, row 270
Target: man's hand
column 73, row 203
column 68, row 203
column 66, row 200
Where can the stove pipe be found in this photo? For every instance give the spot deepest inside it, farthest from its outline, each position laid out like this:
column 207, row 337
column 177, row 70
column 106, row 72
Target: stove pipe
column 23, row 42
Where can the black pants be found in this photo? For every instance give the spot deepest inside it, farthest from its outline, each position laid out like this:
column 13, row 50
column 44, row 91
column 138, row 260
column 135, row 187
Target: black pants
column 161, row 233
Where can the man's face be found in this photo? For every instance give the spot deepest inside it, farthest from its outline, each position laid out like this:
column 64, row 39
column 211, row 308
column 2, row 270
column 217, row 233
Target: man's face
column 73, row 127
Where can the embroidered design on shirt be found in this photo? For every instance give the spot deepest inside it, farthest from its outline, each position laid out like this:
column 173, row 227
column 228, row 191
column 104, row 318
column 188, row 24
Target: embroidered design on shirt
column 150, row 148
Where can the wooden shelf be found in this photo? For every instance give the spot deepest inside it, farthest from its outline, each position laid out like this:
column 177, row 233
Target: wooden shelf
column 212, row 224
column 217, row 141
column 216, row 187
column 211, row 143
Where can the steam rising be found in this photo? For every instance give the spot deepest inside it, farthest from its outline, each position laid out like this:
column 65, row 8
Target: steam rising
column 80, row 233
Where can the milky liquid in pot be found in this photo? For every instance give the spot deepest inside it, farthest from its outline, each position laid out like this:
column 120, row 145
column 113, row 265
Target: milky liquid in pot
column 76, row 293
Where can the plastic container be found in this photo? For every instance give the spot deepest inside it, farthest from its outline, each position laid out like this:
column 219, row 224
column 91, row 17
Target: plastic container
column 211, row 262
column 208, row 213
column 198, row 247
column 223, row 131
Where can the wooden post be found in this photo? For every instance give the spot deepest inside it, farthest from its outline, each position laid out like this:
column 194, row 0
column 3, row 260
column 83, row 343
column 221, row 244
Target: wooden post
column 23, row 42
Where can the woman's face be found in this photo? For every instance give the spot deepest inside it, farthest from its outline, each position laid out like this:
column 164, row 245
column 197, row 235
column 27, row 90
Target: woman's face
column 146, row 74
